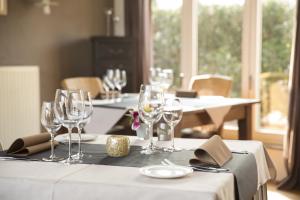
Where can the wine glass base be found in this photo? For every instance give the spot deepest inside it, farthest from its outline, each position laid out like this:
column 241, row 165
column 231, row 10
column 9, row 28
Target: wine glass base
column 148, row 151
column 69, row 161
column 53, row 159
column 78, row 157
column 172, row 149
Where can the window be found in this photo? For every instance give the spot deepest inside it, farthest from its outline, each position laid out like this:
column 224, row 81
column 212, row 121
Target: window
column 166, row 18
column 220, row 39
column 277, row 29
column 248, row 40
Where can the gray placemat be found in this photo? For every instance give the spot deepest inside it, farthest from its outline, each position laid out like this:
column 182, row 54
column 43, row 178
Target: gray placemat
column 243, row 166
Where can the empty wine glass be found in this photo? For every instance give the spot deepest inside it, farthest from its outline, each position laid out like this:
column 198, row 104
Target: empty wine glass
column 150, row 107
column 51, row 124
column 154, row 77
column 88, row 111
column 167, row 76
column 172, row 114
column 123, row 79
column 60, row 107
column 75, row 108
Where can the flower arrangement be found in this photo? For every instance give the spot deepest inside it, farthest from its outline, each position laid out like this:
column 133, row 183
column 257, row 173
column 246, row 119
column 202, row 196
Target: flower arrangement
column 135, row 120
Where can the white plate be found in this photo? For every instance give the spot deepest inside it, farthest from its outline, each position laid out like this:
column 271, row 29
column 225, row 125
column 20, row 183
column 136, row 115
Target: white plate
column 84, row 137
column 166, row 171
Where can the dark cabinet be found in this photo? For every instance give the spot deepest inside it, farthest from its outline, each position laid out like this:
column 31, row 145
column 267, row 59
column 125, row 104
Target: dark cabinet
column 112, row 53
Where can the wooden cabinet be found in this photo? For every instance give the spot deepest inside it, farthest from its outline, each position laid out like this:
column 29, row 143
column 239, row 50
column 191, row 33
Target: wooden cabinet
column 112, row 53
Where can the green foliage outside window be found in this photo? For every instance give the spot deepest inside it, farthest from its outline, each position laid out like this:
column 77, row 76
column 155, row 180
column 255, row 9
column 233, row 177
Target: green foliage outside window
column 220, row 37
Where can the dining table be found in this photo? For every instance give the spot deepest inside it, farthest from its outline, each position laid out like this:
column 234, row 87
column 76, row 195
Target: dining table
column 28, row 179
column 196, row 112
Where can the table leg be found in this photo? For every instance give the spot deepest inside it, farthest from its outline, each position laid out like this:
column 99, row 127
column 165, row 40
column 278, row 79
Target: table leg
column 245, row 124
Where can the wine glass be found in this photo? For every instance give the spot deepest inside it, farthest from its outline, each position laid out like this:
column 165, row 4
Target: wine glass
column 172, row 114
column 167, row 76
column 150, row 108
column 75, row 108
column 51, row 124
column 154, row 77
column 123, row 79
column 88, row 111
column 117, row 79
column 60, row 107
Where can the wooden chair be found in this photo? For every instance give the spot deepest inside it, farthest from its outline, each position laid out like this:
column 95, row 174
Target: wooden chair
column 208, row 85
column 91, row 84
column 211, row 85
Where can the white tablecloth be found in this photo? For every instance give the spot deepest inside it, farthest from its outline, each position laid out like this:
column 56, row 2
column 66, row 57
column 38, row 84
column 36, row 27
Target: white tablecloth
column 41, row 180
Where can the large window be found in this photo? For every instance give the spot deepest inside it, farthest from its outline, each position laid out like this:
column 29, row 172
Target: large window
column 220, row 39
column 248, row 40
column 277, row 29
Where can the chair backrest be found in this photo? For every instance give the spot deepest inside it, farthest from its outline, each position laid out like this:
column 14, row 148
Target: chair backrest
column 211, row 85
column 91, row 84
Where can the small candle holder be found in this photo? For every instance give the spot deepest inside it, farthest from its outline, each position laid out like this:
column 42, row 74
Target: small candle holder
column 117, row 146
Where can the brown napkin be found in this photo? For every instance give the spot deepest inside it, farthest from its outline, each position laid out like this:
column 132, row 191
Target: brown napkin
column 213, row 152
column 186, row 93
column 29, row 145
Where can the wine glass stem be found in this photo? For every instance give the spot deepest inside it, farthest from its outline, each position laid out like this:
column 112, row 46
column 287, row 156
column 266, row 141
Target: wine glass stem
column 79, row 141
column 172, row 135
column 150, row 129
column 70, row 139
column 52, row 145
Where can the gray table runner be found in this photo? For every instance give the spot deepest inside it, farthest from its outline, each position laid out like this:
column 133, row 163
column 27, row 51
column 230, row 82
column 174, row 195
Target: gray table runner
column 243, row 166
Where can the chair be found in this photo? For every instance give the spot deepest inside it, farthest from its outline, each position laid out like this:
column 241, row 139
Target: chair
column 91, row 84
column 208, row 85
column 211, row 85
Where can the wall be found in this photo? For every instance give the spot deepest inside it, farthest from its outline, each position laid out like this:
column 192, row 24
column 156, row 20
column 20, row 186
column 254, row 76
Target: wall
column 59, row 43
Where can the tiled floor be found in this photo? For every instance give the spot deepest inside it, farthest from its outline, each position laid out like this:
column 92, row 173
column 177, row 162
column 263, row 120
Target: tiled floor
column 274, row 194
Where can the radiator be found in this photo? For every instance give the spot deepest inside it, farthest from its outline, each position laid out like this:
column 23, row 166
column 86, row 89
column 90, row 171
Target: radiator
column 19, row 103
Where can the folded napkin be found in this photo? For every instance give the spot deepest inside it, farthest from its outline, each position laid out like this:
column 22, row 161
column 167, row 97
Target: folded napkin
column 213, row 152
column 29, row 145
column 186, row 93
column 217, row 114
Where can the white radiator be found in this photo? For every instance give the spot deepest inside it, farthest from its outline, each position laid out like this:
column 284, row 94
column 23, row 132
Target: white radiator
column 19, row 102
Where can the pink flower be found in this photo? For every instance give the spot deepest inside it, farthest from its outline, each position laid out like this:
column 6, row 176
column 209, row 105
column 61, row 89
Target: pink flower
column 135, row 120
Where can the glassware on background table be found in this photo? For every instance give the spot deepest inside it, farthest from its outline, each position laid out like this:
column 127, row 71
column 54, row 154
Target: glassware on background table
column 51, row 124
column 167, row 76
column 60, row 107
column 120, row 80
column 172, row 114
column 111, row 79
column 88, row 111
column 154, row 76
column 150, row 108
column 123, row 81
column 117, row 79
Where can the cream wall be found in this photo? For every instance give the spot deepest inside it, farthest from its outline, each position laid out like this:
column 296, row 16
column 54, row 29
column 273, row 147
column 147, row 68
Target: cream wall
column 59, row 43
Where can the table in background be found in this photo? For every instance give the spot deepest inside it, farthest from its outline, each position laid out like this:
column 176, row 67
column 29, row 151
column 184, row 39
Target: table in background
column 194, row 112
